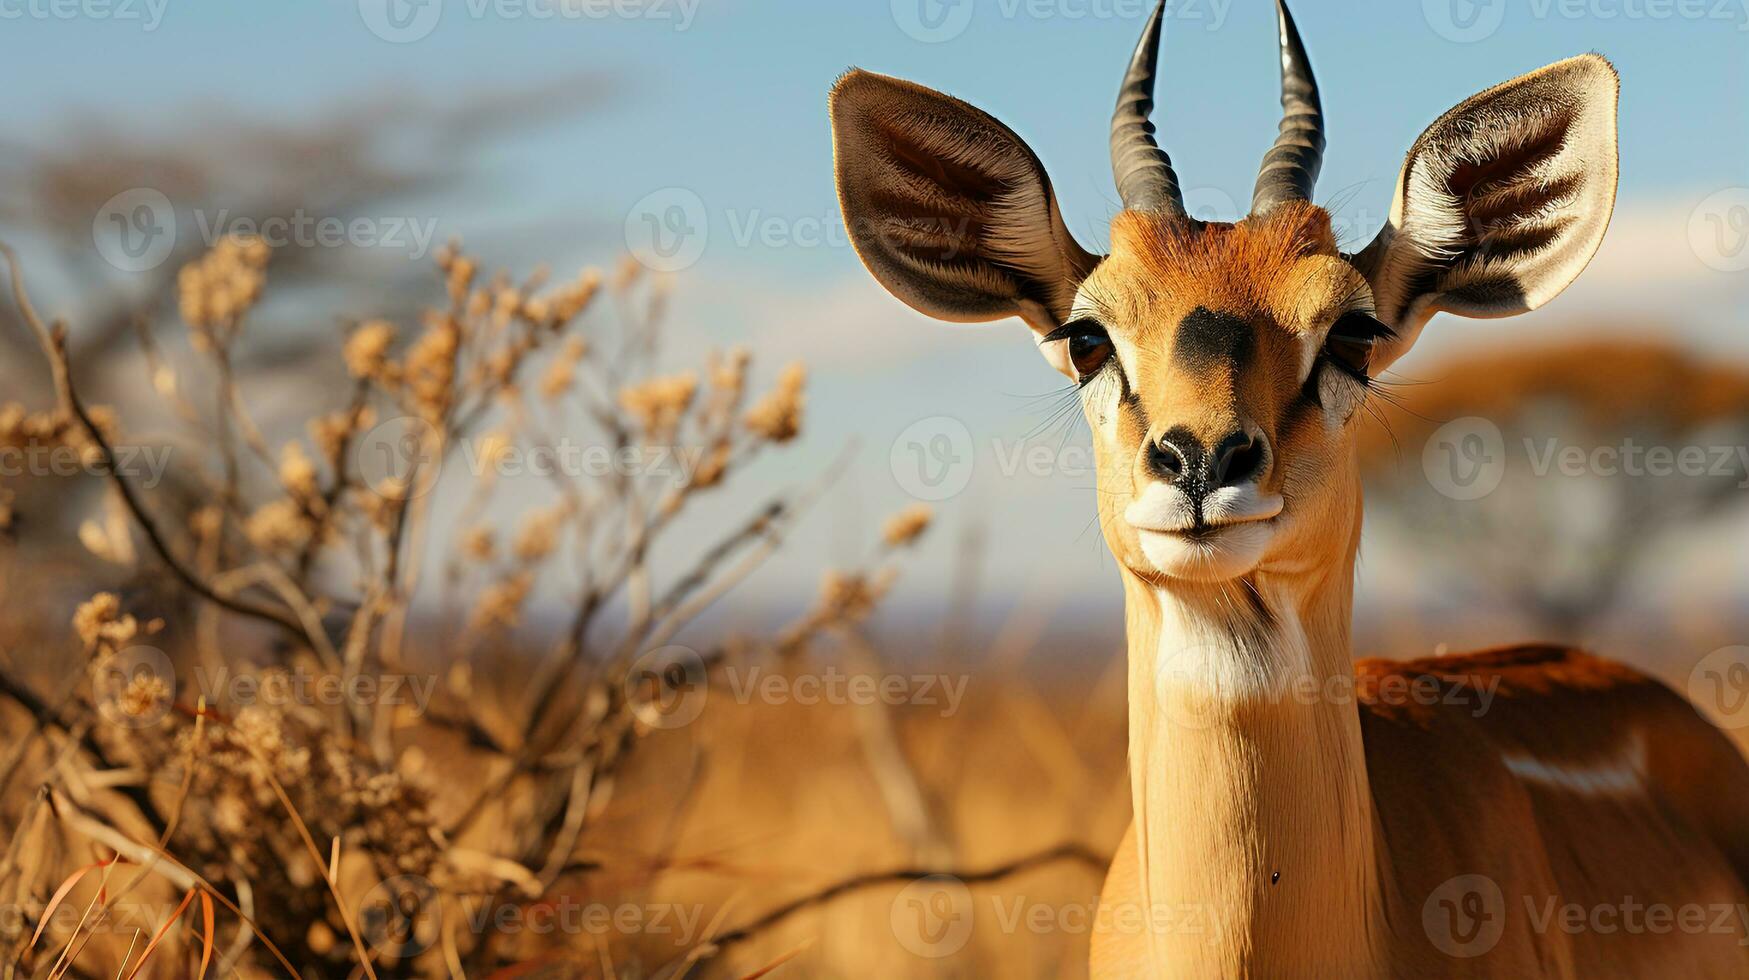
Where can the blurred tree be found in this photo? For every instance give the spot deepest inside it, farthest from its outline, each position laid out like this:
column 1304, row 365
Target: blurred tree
column 1539, row 481
column 391, row 157
column 387, row 156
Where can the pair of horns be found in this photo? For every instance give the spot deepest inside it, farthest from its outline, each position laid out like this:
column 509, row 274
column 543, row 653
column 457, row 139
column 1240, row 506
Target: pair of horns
column 1145, row 181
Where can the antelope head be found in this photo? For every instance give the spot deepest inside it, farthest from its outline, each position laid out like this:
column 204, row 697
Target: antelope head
column 1221, row 366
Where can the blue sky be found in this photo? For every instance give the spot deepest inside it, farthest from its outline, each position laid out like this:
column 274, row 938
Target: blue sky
column 720, row 105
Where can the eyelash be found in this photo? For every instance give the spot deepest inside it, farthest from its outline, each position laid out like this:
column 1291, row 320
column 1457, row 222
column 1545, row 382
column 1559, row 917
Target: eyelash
column 1359, row 329
column 1081, row 328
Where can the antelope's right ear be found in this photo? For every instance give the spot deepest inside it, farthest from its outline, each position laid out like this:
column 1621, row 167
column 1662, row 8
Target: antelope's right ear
column 1501, row 202
column 948, row 208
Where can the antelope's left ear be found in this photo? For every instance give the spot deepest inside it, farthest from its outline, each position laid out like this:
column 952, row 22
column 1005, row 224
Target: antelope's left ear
column 1501, row 202
column 950, row 210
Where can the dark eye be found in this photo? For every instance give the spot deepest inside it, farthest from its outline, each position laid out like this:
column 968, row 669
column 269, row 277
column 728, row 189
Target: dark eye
column 1350, row 342
column 1089, row 346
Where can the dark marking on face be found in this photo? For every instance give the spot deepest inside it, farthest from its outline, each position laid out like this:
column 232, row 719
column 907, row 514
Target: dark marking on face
column 1130, row 405
column 1208, row 341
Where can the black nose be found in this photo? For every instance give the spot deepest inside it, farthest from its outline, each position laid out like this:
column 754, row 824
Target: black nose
column 1237, row 459
column 1179, row 458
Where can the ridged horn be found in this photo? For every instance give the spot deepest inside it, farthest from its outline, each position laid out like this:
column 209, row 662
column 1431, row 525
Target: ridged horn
column 1145, row 181
column 1290, row 168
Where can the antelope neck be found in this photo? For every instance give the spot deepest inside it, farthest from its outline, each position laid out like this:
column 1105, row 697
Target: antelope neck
column 1254, row 821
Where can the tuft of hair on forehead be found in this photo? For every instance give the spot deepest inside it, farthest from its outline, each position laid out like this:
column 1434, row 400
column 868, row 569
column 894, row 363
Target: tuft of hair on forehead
column 1224, row 266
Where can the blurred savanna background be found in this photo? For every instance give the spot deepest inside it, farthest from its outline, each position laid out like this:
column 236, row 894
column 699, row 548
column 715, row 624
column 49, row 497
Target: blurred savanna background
column 466, row 511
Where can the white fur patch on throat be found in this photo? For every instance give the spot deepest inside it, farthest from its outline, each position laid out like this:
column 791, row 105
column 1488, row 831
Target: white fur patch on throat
column 1220, row 665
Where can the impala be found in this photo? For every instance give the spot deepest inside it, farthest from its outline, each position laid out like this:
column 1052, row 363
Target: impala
column 1281, row 829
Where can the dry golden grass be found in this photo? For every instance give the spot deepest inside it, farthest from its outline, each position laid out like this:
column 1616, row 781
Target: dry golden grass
column 572, row 795
column 182, row 794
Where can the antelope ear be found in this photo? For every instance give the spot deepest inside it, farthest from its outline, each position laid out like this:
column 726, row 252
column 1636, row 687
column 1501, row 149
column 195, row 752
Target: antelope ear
column 1501, row 202
column 949, row 209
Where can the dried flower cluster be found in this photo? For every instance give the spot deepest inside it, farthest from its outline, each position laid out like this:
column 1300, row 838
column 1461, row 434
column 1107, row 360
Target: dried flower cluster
column 100, row 623
column 335, row 793
column 215, row 291
column 318, row 540
column 659, row 404
column 778, row 415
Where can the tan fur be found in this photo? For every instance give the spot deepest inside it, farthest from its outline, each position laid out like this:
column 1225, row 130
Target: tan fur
column 1296, row 814
column 1368, row 804
column 1282, row 275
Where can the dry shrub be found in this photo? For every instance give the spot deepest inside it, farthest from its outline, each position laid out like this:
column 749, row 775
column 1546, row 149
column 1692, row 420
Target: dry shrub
column 186, row 740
